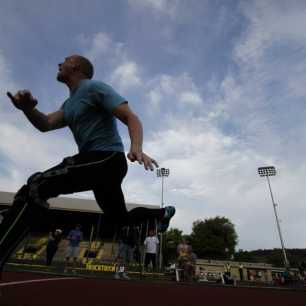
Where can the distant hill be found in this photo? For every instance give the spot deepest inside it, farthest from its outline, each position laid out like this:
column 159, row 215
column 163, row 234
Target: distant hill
column 272, row 256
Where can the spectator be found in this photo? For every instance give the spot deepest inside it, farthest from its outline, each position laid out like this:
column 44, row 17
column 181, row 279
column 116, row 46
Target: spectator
column 227, row 269
column 285, row 276
column 131, row 240
column 302, row 268
column 151, row 247
column 183, row 249
column 228, row 280
column 121, row 272
column 74, row 237
column 52, row 246
column 186, row 260
column 202, row 275
column 241, row 271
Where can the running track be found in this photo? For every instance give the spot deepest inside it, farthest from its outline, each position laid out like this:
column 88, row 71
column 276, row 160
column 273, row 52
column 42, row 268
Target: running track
column 29, row 289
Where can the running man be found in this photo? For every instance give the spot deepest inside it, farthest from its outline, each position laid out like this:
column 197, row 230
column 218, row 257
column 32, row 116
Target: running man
column 90, row 112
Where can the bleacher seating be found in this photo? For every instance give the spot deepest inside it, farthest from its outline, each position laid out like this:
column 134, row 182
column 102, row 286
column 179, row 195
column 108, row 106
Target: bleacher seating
column 35, row 249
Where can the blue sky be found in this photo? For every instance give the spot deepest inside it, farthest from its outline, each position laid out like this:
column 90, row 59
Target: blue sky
column 219, row 86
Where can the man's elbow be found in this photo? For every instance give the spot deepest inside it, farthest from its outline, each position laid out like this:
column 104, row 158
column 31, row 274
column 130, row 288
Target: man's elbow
column 51, row 125
column 44, row 129
column 133, row 119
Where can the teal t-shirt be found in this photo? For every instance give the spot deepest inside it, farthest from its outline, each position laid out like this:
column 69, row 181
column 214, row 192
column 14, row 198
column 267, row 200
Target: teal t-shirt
column 88, row 113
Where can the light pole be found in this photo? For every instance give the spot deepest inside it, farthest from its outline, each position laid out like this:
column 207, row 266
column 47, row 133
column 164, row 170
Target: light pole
column 270, row 171
column 162, row 172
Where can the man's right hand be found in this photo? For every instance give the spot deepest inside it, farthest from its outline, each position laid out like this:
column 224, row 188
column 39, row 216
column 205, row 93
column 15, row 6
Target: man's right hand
column 23, row 100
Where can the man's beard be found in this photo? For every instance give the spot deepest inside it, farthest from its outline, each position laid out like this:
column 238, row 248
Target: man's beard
column 60, row 78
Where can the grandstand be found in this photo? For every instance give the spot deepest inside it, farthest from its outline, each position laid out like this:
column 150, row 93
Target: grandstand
column 99, row 235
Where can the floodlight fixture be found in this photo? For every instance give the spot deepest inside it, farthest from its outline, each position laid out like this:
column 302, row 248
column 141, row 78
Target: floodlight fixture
column 267, row 171
column 162, row 172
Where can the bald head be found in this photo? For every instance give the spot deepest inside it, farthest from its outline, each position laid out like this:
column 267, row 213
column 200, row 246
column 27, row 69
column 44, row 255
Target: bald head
column 84, row 65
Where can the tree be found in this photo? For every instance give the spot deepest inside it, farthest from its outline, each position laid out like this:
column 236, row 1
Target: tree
column 214, row 238
column 246, row 256
column 273, row 256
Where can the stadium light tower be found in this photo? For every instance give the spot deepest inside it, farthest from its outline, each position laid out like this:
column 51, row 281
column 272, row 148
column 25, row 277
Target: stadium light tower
column 270, row 171
column 162, row 172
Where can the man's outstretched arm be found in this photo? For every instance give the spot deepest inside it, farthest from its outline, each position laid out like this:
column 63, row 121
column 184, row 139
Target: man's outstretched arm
column 45, row 123
column 124, row 114
column 24, row 101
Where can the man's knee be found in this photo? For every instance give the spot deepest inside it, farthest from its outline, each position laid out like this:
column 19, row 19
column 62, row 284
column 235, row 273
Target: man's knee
column 33, row 183
column 22, row 194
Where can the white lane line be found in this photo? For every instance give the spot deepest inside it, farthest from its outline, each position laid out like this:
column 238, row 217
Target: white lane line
column 36, row 281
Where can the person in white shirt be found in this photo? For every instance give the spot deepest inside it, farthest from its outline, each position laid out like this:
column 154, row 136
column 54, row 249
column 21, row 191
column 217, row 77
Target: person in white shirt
column 151, row 247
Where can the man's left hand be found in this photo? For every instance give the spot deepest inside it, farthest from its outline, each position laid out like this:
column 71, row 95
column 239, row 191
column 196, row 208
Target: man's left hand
column 142, row 158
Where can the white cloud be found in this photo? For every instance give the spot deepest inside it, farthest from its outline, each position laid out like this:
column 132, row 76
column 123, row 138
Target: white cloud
column 273, row 45
column 4, row 70
column 126, row 76
column 101, row 45
column 192, row 98
column 6, row 82
column 124, row 72
column 164, row 7
column 27, row 151
column 272, row 22
column 269, row 79
column 177, row 91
